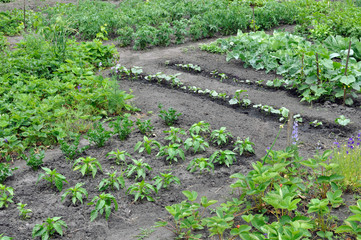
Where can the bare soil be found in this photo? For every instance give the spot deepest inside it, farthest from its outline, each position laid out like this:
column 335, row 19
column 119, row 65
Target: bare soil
column 126, row 223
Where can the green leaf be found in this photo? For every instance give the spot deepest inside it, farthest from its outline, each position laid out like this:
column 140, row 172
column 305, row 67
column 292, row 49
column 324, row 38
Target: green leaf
column 347, row 80
column 192, row 196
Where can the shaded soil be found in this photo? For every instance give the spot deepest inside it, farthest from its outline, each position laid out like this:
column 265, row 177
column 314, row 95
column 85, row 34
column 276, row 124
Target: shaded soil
column 131, row 217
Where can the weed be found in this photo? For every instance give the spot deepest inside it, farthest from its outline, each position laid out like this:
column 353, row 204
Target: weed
column 72, row 150
column 5, row 171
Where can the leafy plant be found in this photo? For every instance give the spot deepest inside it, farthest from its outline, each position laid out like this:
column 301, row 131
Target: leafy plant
column 119, row 156
column 170, row 117
column 196, row 142
column 98, row 135
column 240, row 99
column 200, row 128
column 242, row 146
column 147, row 145
column 72, row 150
column 201, row 164
column 49, row 228
column 145, row 127
column 77, row 193
column 172, row 152
column 139, row 167
column 173, row 135
column 122, row 126
column 87, row 165
column 5, row 171
column 113, row 181
column 352, row 223
column 35, row 160
column 164, row 180
column 142, row 190
column 53, row 177
column 342, row 120
column 23, row 212
column 103, row 204
column 221, row 136
column 6, row 196
column 223, row 157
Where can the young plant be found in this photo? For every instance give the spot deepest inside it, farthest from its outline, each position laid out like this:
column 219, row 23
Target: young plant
column 119, row 156
column 142, row 190
column 320, row 207
column 53, row 177
column 6, row 196
column 35, row 160
column 243, row 146
column 223, row 157
column 139, row 167
column 352, row 223
column 49, row 228
column 170, row 117
column 145, row 127
column 173, row 135
column 5, row 171
column 200, row 164
column 77, row 193
column 23, row 212
column 200, row 128
column 172, row 152
column 148, row 145
column 98, row 135
column 87, row 165
column 122, row 126
column 197, row 143
column 219, row 223
column 221, row 136
column 113, row 181
column 164, row 180
column 72, row 150
column 240, row 99
column 342, row 120
column 103, row 203
column 2, row 237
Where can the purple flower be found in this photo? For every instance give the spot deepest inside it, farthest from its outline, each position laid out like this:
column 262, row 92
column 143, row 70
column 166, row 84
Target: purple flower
column 347, row 152
column 6, row 140
column 265, row 235
column 337, row 143
column 295, row 133
column 79, row 87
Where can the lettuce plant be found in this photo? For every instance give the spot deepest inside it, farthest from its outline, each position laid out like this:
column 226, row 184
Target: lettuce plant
column 77, row 193
column 87, row 165
column 53, row 177
column 103, row 204
column 49, row 228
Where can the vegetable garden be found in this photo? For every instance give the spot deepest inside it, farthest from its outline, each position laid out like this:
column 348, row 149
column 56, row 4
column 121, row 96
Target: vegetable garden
column 180, row 119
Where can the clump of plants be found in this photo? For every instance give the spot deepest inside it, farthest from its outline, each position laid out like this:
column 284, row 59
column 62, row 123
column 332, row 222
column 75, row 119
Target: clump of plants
column 170, row 117
column 122, row 126
column 49, row 227
column 35, row 160
column 98, row 135
column 70, row 147
column 5, row 171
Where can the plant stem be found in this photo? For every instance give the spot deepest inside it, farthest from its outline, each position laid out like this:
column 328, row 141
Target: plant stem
column 344, row 87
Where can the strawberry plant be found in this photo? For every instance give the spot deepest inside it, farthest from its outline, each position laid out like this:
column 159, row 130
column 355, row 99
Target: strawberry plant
column 23, row 212
column 103, row 204
column 352, row 223
column 6, row 196
column 49, row 228
column 201, row 164
column 87, row 165
column 164, row 180
column 122, row 126
column 98, row 135
column 53, row 177
column 172, row 152
column 148, row 145
column 170, row 117
column 77, row 193
column 113, row 181
column 142, row 190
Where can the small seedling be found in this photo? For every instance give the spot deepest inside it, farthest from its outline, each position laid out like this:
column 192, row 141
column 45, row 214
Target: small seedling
column 242, row 146
column 35, row 160
column 119, row 156
column 170, row 117
column 23, row 212
column 49, row 228
column 197, row 143
column 2, row 237
column 139, row 167
column 142, row 190
column 87, row 165
column 316, row 123
column 77, row 193
column 53, row 177
column 223, row 157
column 147, row 145
column 145, row 127
column 221, row 136
column 5, row 171
column 173, row 135
column 6, row 196
column 122, row 126
column 342, row 120
column 103, row 203
column 200, row 128
column 113, row 181
column 164, row 180
column 172, row 152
